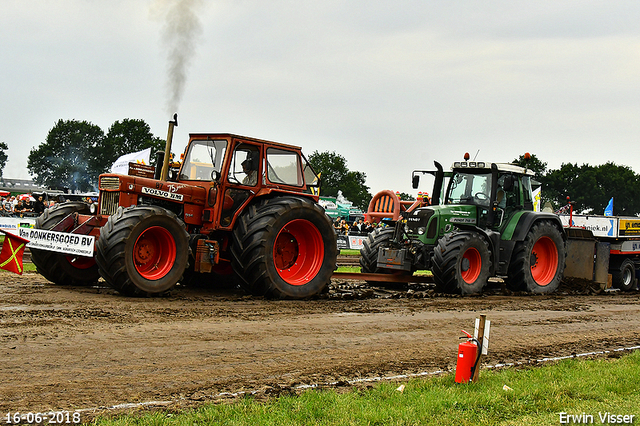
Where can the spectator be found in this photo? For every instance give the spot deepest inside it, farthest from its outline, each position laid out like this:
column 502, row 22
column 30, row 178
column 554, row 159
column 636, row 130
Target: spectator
column 39, row 205
column 28, row 206
column 368, row 228
column 19, row 208
column 344, row 227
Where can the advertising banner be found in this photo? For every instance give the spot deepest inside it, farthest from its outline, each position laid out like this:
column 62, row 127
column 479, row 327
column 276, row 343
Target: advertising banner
column 61, row 242
column 600, row 226
column 11, row 224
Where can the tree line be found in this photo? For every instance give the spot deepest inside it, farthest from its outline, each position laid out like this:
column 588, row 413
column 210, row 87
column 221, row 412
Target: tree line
column 589, row 187
column 75, row 153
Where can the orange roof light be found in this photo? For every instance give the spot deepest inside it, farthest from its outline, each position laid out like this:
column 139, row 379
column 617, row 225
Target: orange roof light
column 466, row 156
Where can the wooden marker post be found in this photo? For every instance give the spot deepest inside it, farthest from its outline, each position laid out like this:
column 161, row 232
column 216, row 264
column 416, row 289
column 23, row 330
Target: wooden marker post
column 481, row 325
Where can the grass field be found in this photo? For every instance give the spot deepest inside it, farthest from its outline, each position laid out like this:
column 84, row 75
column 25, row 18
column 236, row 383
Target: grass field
column 350, row 252
column 535, row 396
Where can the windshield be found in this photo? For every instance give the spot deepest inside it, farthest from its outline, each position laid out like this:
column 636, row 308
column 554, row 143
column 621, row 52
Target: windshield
column 203, row 157
column 466, row 188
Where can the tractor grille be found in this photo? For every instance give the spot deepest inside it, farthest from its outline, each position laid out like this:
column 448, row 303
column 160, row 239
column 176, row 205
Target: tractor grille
column 109, row 182
column 109, row 202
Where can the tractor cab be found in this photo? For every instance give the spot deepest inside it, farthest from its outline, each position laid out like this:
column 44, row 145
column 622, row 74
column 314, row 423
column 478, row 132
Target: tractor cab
column 236, row 169
column 489, row 192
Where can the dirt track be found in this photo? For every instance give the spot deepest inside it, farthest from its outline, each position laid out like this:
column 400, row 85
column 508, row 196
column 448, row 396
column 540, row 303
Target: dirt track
column 68, row 348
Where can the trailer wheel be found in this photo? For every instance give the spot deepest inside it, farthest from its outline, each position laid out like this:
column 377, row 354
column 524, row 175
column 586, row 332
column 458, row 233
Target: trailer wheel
column 461, row 263
column 538, row 262
column 623, row 276
column 59, row 268
column 380, row 237
column 142, row 250
column 284, row 247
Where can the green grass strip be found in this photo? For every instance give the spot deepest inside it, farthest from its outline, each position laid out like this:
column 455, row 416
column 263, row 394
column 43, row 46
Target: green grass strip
column 538, row 396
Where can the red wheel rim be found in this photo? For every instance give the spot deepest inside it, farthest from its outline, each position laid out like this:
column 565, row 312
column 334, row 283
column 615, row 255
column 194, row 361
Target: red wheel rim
column 81, row 262
column 154, row 253
column 298, row 252
column 472, row 255
column 544, row 261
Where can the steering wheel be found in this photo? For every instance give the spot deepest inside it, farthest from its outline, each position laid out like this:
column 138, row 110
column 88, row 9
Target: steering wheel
column 480, row 196
column 233, row 179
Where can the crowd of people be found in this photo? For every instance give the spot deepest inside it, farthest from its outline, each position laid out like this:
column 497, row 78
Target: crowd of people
column 24, row 207
column 358, row 227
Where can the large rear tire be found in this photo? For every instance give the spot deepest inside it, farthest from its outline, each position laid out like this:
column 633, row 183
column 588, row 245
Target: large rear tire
column 59, row 268
column 284, row 247
column 380, row 237
column 537, row 264
column 142, row 250
column 461, row 263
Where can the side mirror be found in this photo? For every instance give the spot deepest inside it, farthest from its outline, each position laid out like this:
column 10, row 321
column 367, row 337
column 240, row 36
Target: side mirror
column 415, row 181
column 215, row 175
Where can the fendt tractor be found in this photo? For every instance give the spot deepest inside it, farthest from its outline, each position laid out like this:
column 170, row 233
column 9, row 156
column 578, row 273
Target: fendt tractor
column 236, row 206
column 481, row 225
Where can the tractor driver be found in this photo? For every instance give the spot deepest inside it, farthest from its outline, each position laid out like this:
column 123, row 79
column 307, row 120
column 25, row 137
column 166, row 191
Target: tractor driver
column 248, row 168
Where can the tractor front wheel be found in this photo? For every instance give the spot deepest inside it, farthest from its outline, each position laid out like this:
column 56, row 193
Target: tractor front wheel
column 60, row 268
column 143, row 250
column 284, row 247
column 537, row 263
column 461, row 263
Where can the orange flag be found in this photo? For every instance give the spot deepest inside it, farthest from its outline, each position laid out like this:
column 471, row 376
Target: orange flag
column 12, row 251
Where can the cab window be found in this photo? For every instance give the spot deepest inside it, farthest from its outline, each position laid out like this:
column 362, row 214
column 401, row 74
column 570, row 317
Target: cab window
column 202, row 158
column 284, row 167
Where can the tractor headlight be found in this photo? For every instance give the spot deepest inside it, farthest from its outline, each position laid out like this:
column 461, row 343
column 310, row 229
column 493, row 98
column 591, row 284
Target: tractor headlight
column 421, row 230
column 92, row 208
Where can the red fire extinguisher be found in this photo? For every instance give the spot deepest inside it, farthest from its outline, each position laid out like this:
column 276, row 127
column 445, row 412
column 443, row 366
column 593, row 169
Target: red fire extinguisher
column 468, row 358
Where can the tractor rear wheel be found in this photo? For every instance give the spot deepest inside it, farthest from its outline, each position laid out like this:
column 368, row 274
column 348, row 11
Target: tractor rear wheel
column 623, row 275
column 537, row 263
column 142, row 250
column 461, row 263
column 284, row 247
column 60, row 268
column 380, row 237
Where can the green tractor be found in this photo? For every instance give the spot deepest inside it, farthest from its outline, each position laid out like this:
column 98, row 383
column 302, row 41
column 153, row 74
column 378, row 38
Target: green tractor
column 480, row 224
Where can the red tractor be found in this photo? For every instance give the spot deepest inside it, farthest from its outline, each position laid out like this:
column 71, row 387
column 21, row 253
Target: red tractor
column 236, row 205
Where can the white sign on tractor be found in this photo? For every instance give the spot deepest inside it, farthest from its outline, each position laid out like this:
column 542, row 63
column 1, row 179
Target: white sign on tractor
column 61, row 242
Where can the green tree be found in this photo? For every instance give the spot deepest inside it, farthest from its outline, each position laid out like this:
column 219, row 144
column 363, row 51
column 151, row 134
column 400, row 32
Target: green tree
column 3, row 156
column 124, row 137
column 534, row 164
column 336, row 176
column 62, row 161
column 591, row 187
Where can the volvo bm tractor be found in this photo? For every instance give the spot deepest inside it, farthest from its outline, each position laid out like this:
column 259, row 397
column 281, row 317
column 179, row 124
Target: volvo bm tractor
column 237, row 206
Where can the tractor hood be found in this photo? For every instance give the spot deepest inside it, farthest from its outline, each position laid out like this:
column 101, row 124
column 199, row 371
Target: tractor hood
column 429, row 223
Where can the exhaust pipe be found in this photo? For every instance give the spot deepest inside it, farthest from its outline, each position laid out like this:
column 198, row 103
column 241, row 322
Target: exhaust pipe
column 159, row 160
column 167, row 149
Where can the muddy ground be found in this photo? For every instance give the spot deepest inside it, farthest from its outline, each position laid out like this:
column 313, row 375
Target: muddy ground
column 70, row 348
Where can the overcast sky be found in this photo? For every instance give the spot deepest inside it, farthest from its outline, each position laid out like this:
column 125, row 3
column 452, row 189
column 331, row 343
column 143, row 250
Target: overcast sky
column 389, row 85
